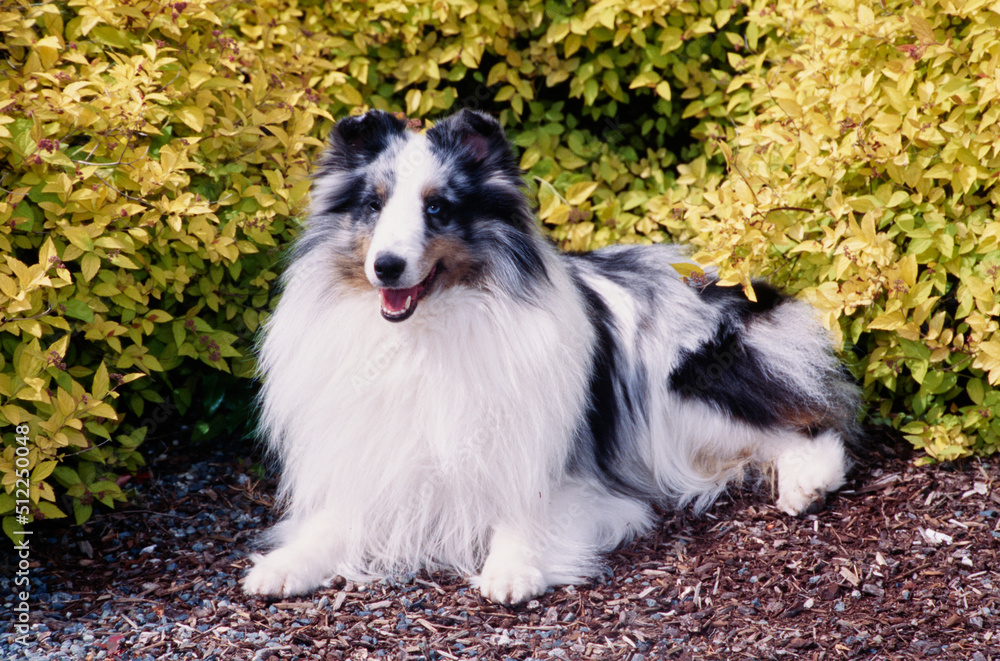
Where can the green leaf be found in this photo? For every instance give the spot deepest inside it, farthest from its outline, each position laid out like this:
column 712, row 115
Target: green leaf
column 42, row 470
column 11, row 527
column 81, row 512
column 77, row 309
column 111, row 36
column 7, row 503
column 192, row 116
column 66, row 476
column 50, row 511
column 976, row 391
column 79, row 237
column 914, row 349
column 101, row 381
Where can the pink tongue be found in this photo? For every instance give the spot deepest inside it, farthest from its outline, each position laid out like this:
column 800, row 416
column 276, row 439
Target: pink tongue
column 394, row 300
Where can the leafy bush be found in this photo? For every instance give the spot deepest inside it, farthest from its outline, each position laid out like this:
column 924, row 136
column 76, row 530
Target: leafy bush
column 861, row 170
column 146, row 195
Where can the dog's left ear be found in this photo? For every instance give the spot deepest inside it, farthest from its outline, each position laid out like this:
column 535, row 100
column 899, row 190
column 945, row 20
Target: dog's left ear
column 476, row 136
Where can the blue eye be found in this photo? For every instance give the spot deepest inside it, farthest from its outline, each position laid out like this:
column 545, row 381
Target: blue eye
column 433, row 208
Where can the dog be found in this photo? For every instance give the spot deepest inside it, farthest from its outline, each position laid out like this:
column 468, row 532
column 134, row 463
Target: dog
column 443, row 388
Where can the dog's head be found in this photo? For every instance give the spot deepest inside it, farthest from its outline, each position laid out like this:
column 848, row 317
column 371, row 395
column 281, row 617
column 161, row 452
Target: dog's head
column 410, row 214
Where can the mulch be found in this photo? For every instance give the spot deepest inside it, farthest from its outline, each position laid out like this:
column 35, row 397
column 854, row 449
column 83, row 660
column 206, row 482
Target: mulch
column 901, row 565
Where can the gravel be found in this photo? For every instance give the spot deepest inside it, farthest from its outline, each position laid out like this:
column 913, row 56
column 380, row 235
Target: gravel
column 902, row 565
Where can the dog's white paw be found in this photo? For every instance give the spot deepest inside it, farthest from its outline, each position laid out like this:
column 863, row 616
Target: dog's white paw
column 510, row 584
column 808, row 471
column 279, row 574
column 797, row 501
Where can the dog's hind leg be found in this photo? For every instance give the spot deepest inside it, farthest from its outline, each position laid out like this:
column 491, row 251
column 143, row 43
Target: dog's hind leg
column 808, row 469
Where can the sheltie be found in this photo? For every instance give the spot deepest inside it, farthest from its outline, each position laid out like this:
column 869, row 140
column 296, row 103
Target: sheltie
column 442, row 388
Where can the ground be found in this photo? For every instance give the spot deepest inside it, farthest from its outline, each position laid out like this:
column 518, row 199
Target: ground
column 901, row 565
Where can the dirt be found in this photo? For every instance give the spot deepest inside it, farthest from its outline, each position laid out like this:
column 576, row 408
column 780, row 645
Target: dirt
column 901, row 565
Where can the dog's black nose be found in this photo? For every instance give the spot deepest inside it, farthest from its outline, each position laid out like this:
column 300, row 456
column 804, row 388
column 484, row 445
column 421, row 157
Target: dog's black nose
column 389, row 267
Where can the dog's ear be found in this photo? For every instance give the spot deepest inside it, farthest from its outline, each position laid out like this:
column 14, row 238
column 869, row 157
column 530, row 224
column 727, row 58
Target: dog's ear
column 475, row 136
column 357, row 141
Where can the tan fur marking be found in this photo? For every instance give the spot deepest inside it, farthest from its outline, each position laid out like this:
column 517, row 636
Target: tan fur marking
column 454, row 256
column 708, row 463
column 351, row 267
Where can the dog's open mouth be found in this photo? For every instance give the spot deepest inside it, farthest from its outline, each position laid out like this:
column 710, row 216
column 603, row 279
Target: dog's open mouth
column 399, row 304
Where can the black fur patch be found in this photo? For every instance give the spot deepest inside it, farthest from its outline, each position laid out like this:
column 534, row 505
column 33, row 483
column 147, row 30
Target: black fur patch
column 354, row 143
column 602, row 411
column 357, row 141
column 728, row 374
column 768, row 298
column 476, row 141
column 614, row 264
column 608, row 390
column 626, row 268
column 524, row 255
column 731, row 376
column 484, row 188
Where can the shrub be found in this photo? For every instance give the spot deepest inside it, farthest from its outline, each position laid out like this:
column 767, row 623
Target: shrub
column 146, row 195
column 861, row 170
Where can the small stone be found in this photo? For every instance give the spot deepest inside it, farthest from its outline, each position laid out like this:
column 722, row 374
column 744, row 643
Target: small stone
column 873, row 590
column 828, row 592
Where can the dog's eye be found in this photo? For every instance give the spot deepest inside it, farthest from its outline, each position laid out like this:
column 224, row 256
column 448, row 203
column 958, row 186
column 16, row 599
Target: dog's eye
column 433, row 208
column 375, row 205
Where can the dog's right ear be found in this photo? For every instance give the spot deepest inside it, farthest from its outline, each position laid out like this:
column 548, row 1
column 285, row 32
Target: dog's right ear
column 357, row 141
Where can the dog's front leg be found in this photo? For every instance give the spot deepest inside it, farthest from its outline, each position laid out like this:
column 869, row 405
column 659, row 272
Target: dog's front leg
column 512, row 572
column 304, row 560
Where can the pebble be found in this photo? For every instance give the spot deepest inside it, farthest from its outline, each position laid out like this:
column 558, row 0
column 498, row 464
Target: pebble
column 873, row 590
